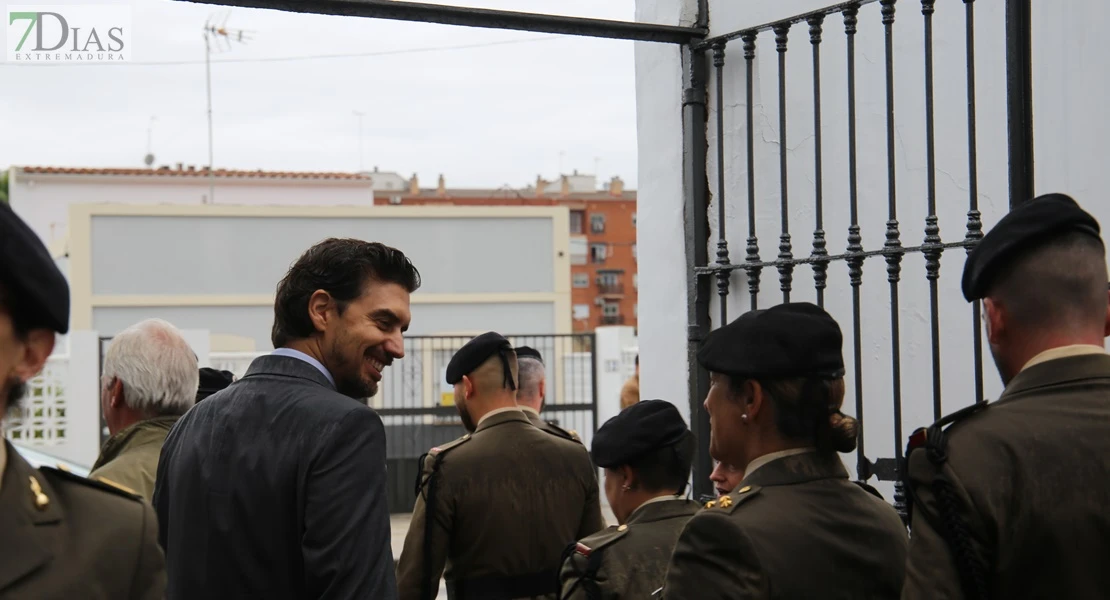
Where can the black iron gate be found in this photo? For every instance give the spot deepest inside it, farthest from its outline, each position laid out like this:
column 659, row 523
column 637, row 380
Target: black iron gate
column 818, row 24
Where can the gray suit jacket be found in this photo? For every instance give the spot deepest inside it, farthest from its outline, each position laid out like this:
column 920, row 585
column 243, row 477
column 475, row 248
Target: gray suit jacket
column 275, row 488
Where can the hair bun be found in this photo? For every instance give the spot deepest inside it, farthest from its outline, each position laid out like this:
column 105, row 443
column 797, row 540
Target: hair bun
column 840, row 434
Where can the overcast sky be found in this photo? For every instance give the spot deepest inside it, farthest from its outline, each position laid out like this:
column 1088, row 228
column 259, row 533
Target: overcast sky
column 484, row 116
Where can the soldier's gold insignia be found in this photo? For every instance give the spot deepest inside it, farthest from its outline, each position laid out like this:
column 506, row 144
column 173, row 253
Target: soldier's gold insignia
column 745, row 489
column 622, row 527
column 711, row 504
column 62, row 467
column 118, row 486
column 41, row 501
column 725, row 501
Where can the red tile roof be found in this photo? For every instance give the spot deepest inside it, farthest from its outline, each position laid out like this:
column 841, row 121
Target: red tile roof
column 194, row 172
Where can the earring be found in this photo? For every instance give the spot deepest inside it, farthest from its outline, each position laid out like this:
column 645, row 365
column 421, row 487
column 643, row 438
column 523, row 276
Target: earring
column 626, row 488
column 744, row 417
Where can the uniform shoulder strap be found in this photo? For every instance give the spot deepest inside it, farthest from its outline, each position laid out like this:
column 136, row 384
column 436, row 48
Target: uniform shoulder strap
column 429, row 461
column 101, row 483
column 592, row 554
column 933, row 440
column 568, row 434
column 729, row 502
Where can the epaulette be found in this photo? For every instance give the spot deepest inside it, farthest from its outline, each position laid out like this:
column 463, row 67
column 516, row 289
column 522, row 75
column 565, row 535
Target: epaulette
column 600, row 540
column 429, row 461
column 736, row 498
column 100, row 483
column 563, row 433
column 921, row 435
column 439, row 450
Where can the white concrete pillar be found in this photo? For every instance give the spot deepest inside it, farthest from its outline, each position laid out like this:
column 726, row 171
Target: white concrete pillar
column 611, row 374
column 200, row 341
column 82, row 400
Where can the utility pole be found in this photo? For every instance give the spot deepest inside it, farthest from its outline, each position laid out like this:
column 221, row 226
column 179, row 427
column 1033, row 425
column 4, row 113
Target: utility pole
column 359, row 115
column 215, row 33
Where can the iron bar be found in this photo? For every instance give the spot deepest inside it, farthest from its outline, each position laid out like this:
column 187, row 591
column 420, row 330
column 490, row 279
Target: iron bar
column 786, row 270
column 893, row 259
column 1019, row 99
column 820, row 267
column 480, row 17
column 697, row 253
column 722, row 241
column 848, row 257
column 799, row 18
column 752, row 257
column 592, row 337
column 855, row 265
column 974, row 217
column 932, row 226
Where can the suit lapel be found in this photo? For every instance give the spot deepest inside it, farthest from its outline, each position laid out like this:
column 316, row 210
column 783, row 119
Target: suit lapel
column 27, row 546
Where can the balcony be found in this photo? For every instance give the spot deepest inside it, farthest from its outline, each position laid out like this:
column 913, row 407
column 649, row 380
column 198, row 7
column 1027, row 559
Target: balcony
column 612, row 319
column 610, row 289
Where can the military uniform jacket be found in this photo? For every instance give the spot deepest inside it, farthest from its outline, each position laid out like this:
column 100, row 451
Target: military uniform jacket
column 130, row 457
column 1031, row 478
column 65, row 537
column 538, row 421
column 795, row 528
column 630, row 561
column 497, row 508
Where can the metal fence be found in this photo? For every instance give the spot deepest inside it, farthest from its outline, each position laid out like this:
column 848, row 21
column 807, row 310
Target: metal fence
column 790, row 33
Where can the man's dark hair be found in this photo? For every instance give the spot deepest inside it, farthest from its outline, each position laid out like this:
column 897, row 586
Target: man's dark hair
column 341, row 267
column 666, row 468
column 1058, row 284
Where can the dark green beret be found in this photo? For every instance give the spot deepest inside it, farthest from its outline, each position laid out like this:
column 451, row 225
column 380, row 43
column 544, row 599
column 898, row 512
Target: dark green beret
column 35, row 290
column 475, row 352
column 528, row 352
column 1025, row 227
column 798, row 339
column 645, row 426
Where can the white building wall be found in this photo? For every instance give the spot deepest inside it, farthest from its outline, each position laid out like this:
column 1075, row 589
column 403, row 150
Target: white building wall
column 43, row 200
column 1070, row 79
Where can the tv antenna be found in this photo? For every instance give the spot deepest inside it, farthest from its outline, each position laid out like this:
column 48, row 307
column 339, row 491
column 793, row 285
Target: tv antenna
column 217, row 34
column 149, row 158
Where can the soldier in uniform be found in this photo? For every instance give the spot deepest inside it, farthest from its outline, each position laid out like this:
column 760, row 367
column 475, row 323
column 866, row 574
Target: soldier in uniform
column 63, row 536
column 646, row 452
column 1011, row 499
column 796, row 527
column 530, row 395
column 497, row 506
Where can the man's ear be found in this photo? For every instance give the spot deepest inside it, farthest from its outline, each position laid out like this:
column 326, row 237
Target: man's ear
column 37, row 348
column 468, row 387
column 319, row 305
column 543, row 389
column 994, row 313
column 115, row 393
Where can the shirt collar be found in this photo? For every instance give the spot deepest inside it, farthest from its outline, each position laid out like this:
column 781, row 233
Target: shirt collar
column 766, row 458
column 306, row 358
column 1064, row 352
column 496, row 411
column 528, row 409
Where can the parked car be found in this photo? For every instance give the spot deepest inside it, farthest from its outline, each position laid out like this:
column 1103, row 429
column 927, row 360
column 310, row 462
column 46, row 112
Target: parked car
column 38, row 458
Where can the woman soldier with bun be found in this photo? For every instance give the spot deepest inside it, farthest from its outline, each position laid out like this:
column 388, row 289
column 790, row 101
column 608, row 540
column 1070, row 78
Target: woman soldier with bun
column 795, row 526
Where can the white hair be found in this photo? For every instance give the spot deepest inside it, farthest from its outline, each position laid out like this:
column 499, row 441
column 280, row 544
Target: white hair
column 530, row 372
column 157, row 367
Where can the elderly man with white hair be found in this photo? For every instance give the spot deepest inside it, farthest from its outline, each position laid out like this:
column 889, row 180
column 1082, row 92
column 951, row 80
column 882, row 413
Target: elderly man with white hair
column 150, row 380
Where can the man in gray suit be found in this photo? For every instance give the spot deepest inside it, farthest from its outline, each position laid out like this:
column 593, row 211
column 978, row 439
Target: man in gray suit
column 275, row 486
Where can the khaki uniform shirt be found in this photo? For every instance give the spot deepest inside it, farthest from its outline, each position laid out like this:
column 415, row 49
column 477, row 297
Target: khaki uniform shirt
column 130, row 457
column 66, row 537
column 495, row 510
column 629, row 561
column 1030, row 478
column 795, row 528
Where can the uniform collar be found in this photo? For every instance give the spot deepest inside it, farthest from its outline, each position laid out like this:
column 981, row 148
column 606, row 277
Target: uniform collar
column 19, row 518
column 124, row 438
column 499, row 411
column 1064, row 352
column 662, row 507
column 796, row 467
column 528, row 409
column 766, row 458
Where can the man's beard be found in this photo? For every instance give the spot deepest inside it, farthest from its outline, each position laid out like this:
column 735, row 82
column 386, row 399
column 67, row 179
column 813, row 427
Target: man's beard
column 464, row 414
column 13, row 394
column 347, row 375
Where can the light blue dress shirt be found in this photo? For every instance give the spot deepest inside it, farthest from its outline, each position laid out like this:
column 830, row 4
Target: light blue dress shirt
column 308, row 359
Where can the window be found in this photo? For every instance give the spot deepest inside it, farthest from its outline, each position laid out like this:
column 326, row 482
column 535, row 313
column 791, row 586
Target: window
column 598, row 253
column 608, row 278
column 610, row 310
column 597, row 223
column 576, row 218
column 581, row 280
column 578, row 250
column 581, row 312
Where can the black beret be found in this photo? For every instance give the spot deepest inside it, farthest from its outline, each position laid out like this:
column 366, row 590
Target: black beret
column 212, row 381
column 797, row 339
column 528, row 352
column 475, row 352
column 645, row 426
column 1027, row 225
column 34, row 286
